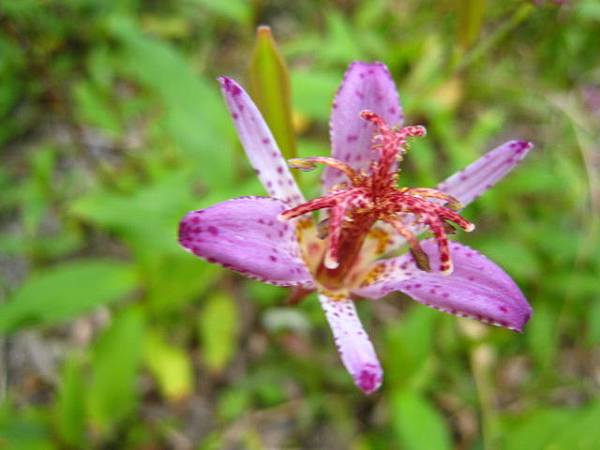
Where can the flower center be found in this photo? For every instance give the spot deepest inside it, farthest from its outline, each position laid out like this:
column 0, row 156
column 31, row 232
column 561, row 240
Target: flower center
column 371, row 196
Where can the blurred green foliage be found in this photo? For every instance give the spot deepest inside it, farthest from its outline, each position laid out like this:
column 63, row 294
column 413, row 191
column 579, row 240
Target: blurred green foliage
column 112, row 128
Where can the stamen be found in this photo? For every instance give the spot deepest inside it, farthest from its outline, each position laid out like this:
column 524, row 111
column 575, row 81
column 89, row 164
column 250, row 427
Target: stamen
column 322, row 228
column 372, row 195
column 308, row 164
column 451, row 202
column 419, row 255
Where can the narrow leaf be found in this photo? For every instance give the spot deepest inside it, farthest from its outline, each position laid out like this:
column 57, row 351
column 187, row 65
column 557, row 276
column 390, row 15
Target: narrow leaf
column 69, row 412
column 418, row 424
column 65, row 291
column 270, row 89
column 470, row 19
column 218, row 327
column 170, row 366
column 117, row 357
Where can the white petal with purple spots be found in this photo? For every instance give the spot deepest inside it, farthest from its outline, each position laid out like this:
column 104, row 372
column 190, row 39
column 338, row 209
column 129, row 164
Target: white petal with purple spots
column 478, row 177
column 353, row 343
column 259, row 144
column 477, row 288
column 245, row 235
column 365, row 86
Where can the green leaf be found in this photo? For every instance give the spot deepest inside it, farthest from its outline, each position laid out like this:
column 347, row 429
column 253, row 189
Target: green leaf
column 69, row 408
column 148, row 218
column 65, row 291
column 113, row 392
column 536, row 431
column 313, row 92
column 23, row 428
column 270, row 88
column 234, row 402
column 177, row 279
column 237, row 10
column 555, row 429
column 593, row 336
column 583, row 432
column 218, row 329
column 93, row 107
column 409, row 348
column 417, row 423
column 542, row 336
column 194, row 114
column 341, row 45
column 170, row 366
column 470, row 18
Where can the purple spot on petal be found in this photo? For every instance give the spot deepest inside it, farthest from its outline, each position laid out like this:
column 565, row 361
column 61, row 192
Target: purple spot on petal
column 266, row 140
column 213, row 230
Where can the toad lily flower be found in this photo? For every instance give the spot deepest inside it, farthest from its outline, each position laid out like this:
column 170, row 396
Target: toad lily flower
column 274, row 239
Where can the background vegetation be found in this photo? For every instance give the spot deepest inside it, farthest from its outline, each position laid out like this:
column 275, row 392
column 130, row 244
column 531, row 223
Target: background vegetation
column 112, row 127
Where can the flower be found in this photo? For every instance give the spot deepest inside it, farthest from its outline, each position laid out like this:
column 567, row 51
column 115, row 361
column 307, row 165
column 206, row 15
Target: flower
column 272, row 239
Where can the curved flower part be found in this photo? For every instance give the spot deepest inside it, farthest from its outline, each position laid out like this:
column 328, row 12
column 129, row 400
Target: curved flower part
column 478, row 177
column 353, row 343
column 245, row 235
column 259, row 144
column 477, row 288
column 366, row 86
column 275, row 240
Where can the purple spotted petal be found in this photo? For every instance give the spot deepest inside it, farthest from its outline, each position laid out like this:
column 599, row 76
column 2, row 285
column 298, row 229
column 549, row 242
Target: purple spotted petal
column 477, row 288
column 365, row 86
column 260, row 146
column 478, row 177
column 353, row 344
column 245, row 235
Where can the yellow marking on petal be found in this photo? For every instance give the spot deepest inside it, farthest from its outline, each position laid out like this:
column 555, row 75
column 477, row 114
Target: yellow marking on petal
column 376, row 244
column 311, row 247
column 335, row 296
column 373, row 275
column 382, row 240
